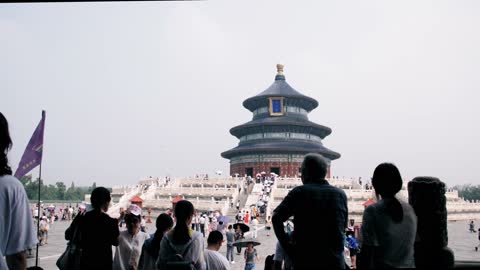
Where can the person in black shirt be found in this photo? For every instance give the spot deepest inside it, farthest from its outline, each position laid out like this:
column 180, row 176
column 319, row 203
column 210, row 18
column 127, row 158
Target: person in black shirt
column 320, row 217
column 99, row 232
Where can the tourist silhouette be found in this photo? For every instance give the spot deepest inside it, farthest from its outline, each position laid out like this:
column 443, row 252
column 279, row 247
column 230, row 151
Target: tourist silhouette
column 320, row 215
column 389, row 226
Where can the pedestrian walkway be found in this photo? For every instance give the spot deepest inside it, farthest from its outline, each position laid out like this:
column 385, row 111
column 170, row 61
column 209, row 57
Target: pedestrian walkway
column 461, row 241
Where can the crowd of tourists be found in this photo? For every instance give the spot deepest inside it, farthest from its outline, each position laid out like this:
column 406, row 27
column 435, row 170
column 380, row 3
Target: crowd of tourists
column 313, row 213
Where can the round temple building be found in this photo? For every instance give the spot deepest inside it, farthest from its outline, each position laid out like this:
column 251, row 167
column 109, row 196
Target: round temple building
column 279, row 135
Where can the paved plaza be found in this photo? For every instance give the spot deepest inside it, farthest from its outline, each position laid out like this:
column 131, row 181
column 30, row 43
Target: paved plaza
column 49, row 253
column 460, row 241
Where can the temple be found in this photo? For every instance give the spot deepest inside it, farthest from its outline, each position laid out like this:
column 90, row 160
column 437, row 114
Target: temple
column 279, row 135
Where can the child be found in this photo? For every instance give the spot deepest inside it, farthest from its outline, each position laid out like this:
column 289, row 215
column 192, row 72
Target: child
column 353, row 248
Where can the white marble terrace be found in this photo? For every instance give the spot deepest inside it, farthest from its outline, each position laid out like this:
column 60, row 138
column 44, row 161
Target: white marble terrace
column 216, row 194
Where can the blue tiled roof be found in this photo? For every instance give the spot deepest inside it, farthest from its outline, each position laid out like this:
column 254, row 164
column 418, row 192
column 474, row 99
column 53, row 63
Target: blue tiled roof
column 279, row 88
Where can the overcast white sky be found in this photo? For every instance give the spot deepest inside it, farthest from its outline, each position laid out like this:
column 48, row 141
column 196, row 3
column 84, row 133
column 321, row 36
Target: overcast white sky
column 139, row 89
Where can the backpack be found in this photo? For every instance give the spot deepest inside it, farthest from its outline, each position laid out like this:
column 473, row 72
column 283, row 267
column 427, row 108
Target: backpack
column 352, row 243
column 177, row 261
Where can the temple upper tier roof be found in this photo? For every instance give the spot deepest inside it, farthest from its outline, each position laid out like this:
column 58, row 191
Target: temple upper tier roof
column 280, row 88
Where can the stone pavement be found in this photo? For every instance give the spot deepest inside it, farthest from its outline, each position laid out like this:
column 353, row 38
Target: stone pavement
column 460, row 240
column 49, row 253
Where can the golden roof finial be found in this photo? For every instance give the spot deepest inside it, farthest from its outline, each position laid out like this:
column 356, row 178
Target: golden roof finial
column 279, row 69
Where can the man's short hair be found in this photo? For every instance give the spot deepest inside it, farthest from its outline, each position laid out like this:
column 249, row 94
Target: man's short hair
column 100, row 196
column 214, row 238
column 314, row 167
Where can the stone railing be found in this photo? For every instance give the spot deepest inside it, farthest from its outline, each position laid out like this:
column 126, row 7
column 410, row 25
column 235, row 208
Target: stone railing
column 200, row 205
column 270, row 207
column 217, row 181
column 124, row 201
column 209, row 185
column 226, row 192
column 463, row 206
column 123, row 189
column 354, row 194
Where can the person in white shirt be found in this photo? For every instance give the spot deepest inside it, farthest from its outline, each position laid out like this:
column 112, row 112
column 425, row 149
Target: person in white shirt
column 214, row 259
column 17, row 232
column 254, row 224
column 70, row 213
column 129, row 249
column 44, row 228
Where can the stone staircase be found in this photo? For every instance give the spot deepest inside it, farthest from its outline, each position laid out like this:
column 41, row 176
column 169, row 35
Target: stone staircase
column 232, row 212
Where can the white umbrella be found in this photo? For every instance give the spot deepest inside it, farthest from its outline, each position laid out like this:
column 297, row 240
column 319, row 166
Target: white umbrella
column 263, row 172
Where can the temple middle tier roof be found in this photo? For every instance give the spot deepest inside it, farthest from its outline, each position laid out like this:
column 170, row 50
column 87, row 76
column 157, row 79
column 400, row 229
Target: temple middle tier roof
column 283, row 123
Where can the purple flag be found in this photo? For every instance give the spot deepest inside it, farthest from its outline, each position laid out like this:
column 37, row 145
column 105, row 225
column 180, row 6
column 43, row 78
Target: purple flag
column 32, row 157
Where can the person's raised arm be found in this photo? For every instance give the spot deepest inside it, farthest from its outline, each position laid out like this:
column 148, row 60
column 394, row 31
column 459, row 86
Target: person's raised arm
column 281, row 214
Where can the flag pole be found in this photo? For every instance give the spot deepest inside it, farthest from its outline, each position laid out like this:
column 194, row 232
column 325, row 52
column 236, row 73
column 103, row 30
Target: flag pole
column 31, row 158
column 38, row 216
column 39, row 192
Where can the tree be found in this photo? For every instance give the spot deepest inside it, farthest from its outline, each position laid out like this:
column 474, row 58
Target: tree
column 469, row 192
column 60, row 192
column 26, row 179
column 94, row 186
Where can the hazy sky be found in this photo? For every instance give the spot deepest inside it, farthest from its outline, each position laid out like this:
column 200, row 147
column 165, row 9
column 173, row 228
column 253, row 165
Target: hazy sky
column 139, row 89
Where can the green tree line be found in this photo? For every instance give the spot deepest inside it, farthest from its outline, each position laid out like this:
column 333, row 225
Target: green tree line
column 59, row 191
column 468, row 192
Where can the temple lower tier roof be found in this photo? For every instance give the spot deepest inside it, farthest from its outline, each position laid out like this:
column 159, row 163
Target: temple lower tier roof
column 281, row 147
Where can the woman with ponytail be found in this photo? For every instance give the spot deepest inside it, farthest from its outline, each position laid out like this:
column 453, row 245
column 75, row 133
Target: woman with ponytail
column 389, row 226
column 17, row 232
column 151, row 247
column 182, row 247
